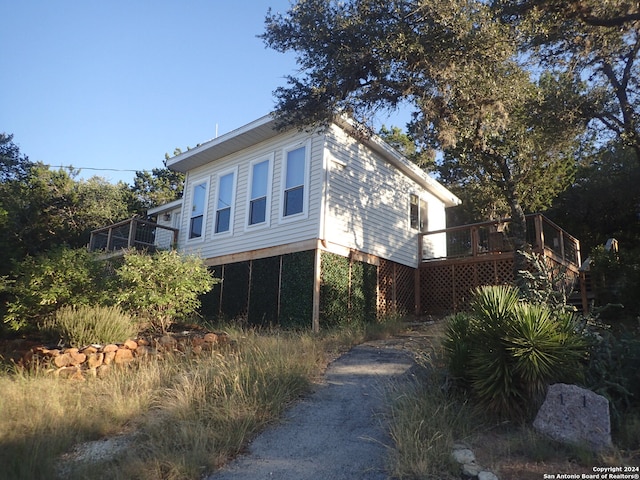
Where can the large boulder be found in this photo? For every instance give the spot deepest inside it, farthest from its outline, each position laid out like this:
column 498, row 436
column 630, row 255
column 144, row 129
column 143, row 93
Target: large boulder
column 574, row 415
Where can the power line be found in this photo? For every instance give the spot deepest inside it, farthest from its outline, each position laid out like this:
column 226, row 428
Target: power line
column 71, row 167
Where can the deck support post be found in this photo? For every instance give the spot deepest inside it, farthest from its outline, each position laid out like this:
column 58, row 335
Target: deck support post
column 315, row 316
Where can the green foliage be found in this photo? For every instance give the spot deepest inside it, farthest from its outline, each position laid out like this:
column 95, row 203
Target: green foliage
column 543, row 285
column 507, row 351
column 616, row 281
column 49, row 281
column 263, row 293
column 162, row 287
column 154, row 188
column 588, row 39
column 604, row 200
column 613, row 370
column 347, row 291
column 296, row 289
column 86, row 325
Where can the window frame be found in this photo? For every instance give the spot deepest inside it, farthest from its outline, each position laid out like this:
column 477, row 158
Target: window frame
column 267, row 214
column 234, row 185
column 422, row 208
column 306, row 144
column 203, row 229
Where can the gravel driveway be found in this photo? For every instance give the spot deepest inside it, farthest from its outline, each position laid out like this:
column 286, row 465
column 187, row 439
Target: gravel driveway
column 336, row 432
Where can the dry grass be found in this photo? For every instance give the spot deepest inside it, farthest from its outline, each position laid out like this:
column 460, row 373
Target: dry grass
column 428, row 417
column 178, row 417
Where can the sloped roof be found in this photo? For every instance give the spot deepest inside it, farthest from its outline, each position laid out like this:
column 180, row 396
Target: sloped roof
column 265, row 127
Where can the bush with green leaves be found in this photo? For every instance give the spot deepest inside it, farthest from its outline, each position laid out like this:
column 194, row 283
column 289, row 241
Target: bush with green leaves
column 86, row 325
column 616, row 281
column 42, row 284
column 162, row 287
column 506, row 351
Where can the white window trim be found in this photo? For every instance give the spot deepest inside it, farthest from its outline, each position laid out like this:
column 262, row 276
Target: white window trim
column 267, row 219
column 421, row 200
column 232, row 212
column 194, row 184
column 283, row 181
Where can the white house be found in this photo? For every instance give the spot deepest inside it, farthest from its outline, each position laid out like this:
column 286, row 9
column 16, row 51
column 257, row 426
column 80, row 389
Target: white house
column 275, row 212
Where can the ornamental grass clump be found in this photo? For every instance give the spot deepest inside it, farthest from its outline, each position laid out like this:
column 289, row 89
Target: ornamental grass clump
column 506, row 351
column 85, row 325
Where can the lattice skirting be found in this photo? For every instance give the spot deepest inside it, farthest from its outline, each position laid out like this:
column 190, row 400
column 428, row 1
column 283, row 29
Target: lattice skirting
column 447, row 288
column 396, row 288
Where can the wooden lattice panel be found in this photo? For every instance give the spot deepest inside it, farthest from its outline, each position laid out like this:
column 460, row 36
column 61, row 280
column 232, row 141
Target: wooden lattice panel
column 396, row 288
column 405, row 289
column 486, row 272
column 386, row 275
column 465, row 280
column 504, row 272
column 436, row 288
column 446, row 287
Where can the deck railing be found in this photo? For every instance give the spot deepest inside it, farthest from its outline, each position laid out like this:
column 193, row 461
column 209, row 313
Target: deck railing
column 134, row 233
column 493, row 238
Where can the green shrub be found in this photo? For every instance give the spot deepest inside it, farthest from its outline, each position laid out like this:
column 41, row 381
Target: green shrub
column 42, row 284
column 616, row 281
column 162, row 287
column 86, row 325
column 613, row 371
column 507, row 351
column 457, row 344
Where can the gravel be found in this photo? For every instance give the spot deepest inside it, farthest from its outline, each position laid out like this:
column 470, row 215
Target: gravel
column 337, row 432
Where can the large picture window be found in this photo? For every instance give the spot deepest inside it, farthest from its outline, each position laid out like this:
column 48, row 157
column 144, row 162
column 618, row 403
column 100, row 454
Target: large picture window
column 198, row 200
column 259, row 194
column 224, row 205
column 295, row 177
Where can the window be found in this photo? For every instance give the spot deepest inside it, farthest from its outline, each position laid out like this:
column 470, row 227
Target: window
column 198, row 200
column 226, row 186
column 259, row 194
column 417, row 213
column 295, row 174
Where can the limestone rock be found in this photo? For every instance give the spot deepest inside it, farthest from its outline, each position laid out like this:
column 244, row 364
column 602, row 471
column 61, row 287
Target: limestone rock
column 94, row 360
column 571, row 414
column 211, row 338
column 123, row 355
column 109, row 356
column 471, row 469
column 487, row 476
column 463, row 455
column 131, row 344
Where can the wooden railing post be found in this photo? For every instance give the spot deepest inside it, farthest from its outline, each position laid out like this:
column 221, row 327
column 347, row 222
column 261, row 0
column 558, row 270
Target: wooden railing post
column 539, row 232
column 132, row 233
column 109, row 239
column 474, row 241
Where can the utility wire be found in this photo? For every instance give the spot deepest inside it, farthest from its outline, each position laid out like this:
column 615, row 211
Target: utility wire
column 90, row 168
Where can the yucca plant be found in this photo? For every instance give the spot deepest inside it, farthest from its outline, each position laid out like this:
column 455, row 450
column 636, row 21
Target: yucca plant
column 513, row 350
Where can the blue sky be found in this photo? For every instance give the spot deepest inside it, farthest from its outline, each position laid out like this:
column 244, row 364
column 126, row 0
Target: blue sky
column 117, row 84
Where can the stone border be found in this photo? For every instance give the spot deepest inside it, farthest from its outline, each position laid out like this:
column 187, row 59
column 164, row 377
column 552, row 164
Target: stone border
column 97, row 360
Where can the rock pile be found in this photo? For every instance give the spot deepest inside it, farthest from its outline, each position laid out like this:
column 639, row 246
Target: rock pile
column 465, row 457
column 97, row 360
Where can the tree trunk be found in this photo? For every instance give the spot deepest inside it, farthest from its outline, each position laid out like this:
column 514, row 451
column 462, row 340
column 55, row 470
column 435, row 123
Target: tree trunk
column 519, row 235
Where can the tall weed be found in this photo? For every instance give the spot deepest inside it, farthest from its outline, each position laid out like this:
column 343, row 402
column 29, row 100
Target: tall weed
column 426, row 419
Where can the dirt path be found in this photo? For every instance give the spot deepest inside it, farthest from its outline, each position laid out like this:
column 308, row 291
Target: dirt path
column 335, row 433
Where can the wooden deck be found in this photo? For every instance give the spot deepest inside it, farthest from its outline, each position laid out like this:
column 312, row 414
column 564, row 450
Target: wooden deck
column 482, row 254
column 134, row 233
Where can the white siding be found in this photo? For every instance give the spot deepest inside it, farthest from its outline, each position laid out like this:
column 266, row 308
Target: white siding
column 367, row 205
column 277, row 232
